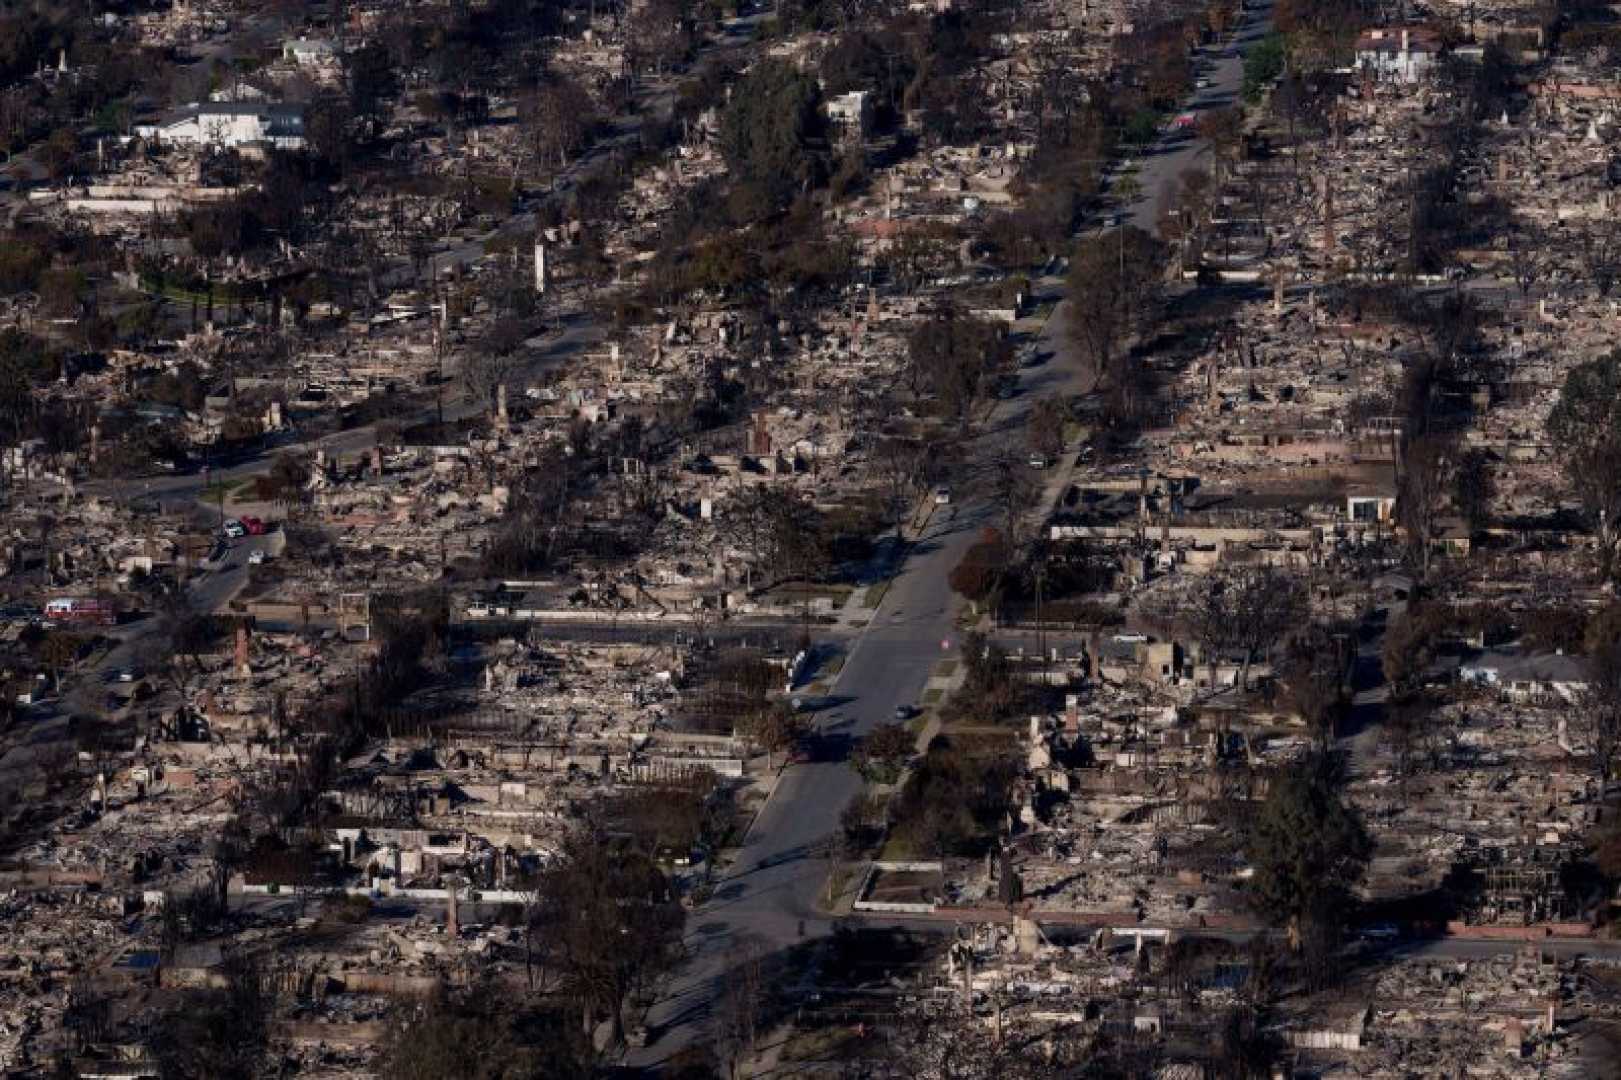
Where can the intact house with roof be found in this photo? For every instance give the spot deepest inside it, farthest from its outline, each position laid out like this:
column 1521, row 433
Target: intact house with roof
column 1527, row 677
column 231, row 124
column 1405, row 54
column 307, row 52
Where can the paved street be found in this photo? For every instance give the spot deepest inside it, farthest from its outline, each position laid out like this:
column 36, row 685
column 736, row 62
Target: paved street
column 1160, row 168
column 769, row 900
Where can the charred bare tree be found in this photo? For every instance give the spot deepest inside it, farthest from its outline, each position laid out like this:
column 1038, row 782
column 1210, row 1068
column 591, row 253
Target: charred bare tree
column 612, row 923
column 1600, row 709
column 1601, row 253
column 1585, row 429
column 1429, row 463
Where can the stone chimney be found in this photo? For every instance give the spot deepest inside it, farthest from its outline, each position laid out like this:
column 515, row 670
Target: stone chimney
column 1328, row 214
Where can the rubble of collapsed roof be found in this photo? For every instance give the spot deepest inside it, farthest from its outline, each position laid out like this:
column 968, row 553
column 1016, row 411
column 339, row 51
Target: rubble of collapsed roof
column 447, row 448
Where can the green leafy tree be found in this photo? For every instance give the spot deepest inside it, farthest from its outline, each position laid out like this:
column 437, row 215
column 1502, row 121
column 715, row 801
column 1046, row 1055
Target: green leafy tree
column 371, row 80
column 1308, row 848
column 772, row 135
column 1264, row 63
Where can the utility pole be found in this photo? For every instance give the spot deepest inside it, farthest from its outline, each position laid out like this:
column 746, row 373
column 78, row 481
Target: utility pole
column 442, row 308
column 1041, row 625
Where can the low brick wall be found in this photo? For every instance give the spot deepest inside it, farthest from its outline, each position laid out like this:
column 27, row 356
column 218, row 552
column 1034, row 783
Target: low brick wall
column 1535, row 932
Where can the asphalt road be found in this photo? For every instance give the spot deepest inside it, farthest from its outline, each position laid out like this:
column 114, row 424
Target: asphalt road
column 1159, row 169
column 768, row 901
column 208, row 590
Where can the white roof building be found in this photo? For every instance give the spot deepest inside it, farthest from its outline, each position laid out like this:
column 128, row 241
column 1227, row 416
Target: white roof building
column 231, row 124
column 309, row 51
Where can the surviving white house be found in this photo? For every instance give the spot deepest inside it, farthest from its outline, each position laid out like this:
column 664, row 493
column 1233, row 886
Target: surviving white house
column 231, row 124
column 1404, row 54
column 1525, row 677
column 307, row 52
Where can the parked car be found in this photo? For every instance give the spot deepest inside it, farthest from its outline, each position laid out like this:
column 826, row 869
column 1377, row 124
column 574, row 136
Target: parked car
column 942, row 496
column 234, row 529
column 1038, row 461
column 254, row 526
column 904, row 713
column 255, row 558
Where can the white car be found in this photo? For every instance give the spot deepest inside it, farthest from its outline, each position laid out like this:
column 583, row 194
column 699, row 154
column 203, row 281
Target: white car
column 255, row 558
column 942, row 496
column 234, row 529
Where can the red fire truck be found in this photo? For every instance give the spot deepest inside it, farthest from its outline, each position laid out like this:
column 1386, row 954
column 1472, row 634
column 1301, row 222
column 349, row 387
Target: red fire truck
column 76, row 609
